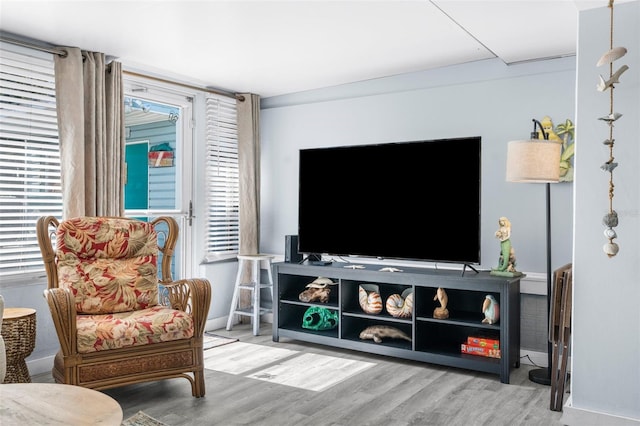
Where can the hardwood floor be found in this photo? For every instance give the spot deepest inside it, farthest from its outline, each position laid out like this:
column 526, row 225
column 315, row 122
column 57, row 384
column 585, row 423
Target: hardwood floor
column 393, row 392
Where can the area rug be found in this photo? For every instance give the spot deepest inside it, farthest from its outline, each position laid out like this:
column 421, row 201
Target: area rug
column 211, row 340
column 141, row 419
column 286, row 367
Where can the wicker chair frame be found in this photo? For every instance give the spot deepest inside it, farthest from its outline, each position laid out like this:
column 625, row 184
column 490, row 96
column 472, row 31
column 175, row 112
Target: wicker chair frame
column 124, row 366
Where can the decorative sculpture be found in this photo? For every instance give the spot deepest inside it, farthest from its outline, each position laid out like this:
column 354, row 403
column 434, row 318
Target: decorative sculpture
column 319, row 318
column 318, row 290
column 563, row 133
column 507, row 261
column 441, row 312
column 491, row 310
column 610, row 220
column 378, row 332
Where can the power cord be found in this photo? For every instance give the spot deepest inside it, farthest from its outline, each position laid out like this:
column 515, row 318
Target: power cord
column 531, row 361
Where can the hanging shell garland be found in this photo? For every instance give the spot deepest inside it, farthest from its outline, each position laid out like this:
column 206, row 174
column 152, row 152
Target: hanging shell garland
column 610, row 220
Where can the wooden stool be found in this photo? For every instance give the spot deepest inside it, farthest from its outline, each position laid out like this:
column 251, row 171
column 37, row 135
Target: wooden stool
column 19, row 333
column 256, row 263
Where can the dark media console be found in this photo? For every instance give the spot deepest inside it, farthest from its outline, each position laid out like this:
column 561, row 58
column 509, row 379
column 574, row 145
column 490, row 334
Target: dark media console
column 436, row 341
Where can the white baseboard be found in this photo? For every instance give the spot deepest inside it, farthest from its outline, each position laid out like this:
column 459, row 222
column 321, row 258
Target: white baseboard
column 221, row 323
column 40, row 365
column 216, row 324
column 539, row 359
column 579, row 416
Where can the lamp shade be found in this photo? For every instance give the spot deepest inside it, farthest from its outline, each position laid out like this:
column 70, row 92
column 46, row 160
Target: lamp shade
column 533, row 160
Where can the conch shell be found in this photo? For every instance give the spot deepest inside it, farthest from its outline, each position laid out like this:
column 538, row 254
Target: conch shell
column 400, row 306
column 370, row 299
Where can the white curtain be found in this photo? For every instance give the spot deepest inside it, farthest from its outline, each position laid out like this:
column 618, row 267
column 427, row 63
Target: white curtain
column 90, row 106
column 249, row 168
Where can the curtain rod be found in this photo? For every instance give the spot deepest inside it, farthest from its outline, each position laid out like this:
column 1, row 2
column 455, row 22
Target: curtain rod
column 51, row 50
column 188, row 86
column 63, row 53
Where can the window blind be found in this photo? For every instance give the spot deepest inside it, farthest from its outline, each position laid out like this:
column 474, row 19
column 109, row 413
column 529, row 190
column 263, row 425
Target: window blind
column 29, row 159
column 223, row 198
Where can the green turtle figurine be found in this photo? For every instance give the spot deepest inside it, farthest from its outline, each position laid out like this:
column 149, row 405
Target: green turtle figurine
column 319, row 318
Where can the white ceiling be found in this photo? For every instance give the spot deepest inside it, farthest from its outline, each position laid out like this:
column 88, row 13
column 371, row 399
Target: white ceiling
column 278, row 47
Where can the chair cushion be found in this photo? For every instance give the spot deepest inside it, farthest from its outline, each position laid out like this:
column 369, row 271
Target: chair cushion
column 135, row 328
column 109, row 264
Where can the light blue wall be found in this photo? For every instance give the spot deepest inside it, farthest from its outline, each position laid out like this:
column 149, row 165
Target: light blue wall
column 486, row 98
column 606, row 317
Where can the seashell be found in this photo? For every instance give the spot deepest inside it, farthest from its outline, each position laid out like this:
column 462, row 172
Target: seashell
column 612, row 55
column 610, row 220
column 320, row 282
column 611, row 249
column 610, row 233
column 399, row 306
column 370, row 299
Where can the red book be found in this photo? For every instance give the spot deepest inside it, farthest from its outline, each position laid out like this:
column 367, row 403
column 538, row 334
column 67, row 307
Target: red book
column 480, row 350
column 483, row 342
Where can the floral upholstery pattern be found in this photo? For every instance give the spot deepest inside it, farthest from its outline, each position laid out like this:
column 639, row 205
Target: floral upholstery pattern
column 152, row 325
column 109, row 264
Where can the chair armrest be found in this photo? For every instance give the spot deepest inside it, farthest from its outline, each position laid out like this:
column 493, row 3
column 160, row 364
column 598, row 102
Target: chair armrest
column 191, row 295
column 63, row 312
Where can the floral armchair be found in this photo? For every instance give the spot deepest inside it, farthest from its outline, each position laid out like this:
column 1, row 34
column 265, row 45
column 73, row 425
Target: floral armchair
column 117, row 321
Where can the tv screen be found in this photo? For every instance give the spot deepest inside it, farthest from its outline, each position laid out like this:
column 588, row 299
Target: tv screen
column 416, row 200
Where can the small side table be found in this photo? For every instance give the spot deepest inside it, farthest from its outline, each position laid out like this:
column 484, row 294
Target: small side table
column 57, row 404
column 19, row 334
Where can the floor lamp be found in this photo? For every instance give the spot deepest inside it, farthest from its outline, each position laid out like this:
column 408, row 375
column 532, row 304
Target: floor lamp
column 537, row 161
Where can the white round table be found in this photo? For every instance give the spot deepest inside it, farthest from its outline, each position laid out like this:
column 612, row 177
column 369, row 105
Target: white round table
column 56, row 404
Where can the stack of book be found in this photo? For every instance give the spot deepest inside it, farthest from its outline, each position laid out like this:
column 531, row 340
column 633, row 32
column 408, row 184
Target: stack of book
column 481, row 346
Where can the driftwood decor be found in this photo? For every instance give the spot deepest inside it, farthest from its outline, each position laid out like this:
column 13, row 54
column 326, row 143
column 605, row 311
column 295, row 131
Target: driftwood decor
column 610, row 220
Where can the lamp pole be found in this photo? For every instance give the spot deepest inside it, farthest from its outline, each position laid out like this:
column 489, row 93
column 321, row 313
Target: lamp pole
column 543, row 375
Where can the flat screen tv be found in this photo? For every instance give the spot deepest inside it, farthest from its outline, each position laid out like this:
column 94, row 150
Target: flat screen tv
column 417, row 200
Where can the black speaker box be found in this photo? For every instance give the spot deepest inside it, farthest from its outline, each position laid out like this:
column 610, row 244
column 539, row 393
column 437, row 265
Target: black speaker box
column 291, row 254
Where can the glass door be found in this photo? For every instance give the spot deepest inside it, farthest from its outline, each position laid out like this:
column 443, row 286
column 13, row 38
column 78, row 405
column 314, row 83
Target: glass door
column 158, row 155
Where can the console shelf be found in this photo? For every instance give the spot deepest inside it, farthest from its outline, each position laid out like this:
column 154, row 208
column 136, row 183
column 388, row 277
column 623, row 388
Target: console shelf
column 435, row 341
